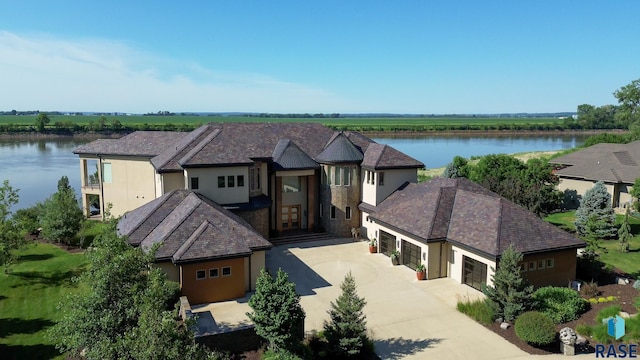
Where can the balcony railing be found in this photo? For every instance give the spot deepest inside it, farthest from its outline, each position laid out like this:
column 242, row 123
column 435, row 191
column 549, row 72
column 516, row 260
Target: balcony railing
column 91, row 183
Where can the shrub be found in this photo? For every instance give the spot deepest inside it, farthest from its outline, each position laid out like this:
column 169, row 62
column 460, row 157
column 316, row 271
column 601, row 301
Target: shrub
column 609, row 311
column 280, row 354
column 560, row 304
column 583, row 329
column 602, row 300
column 535, row 328
column 636, row 303
column 480, row 310
column 593, row 301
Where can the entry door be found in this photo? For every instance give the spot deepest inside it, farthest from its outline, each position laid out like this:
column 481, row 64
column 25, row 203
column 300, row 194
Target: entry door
column 290, row 217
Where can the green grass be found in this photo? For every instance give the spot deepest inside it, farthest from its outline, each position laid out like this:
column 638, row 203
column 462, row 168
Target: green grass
column 610, row 255
column 28, row 298
column 478, row 309
column 90, row 229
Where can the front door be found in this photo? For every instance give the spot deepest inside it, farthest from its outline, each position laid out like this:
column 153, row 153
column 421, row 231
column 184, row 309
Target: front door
column 290, row 217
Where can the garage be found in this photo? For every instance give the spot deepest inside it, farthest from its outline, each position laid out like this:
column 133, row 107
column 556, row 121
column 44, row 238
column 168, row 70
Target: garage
column 410, row 254
column 387, row 243
column 474, row 273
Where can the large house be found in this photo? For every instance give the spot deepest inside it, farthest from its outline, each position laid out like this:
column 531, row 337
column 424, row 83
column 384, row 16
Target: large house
column 459, row 229
column 617, row 165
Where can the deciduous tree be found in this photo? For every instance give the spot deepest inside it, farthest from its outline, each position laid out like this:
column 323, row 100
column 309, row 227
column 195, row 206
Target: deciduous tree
column 10, row 237
column 629, row 104
column 41, row 121
column 61, row 215
column 458, row 168
column 277, row 313
column 346, row 332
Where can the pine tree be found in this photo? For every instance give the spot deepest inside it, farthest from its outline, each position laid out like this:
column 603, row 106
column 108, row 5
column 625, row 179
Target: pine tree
column 595, row 216
column 346, row 332
column 510, row 294
column 624, row 233
column 277, row 314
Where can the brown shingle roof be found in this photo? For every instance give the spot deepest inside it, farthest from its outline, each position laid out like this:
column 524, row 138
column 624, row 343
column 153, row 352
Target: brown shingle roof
column 340, row 149
column 139, row 143
column 189, row 227
column 470, row 216
column 381, row 156
column 613, row 163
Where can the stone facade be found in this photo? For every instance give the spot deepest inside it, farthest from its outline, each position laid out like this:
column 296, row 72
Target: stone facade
column 342, row 197
column 258, row 219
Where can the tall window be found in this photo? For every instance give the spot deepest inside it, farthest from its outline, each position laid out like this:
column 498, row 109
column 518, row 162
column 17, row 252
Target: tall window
column 346, row 176
column 337, row 179
column 324, row 175
column 347, row 213
column 368, row 176
column 221, row 181
column 254, row 178
column 194, row 183
column 333, row 212
column 291, row 184
column 321, row 210
column 240, row 180
column 106, row 173
column 231, row 181
column 381, row 179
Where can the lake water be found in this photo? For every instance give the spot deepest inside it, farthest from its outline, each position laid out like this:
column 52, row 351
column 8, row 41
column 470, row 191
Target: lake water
column 35, row 166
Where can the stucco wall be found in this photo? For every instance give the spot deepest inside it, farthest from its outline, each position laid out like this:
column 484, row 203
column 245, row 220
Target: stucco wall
column 132, row 185
column 374, row 194
column 257, row 263
column 563, row 270
column 456, row 263
column 172, row 271
column 172, row 181
column 581, row 187
column 208, row 183
column 213, row 289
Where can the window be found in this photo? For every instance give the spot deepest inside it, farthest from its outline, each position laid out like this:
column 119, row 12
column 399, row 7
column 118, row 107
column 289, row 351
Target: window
column 321, row 210
column 346, row 176
column 106, row 173
column 333, row 212
column 240, row 180
column 368, row 176
column 291, row 184
column 373, row 178
column 347, row 213
column 532, row 265
column 550, row 263
column 474, row 273
column 213, row 273
column 337, row 176
column 381, row 179
column 254, row 178
column 368, row 219
column 231, row 181
column 323, row 179
column 220, row 181
column 523, row 266
column 194, row 183
column 541, row 264
column 201, row 274
column 226, row 271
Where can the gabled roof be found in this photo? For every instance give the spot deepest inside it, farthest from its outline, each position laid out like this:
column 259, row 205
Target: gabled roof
column 139, row 143
column 381, row 156
column 612, row 163
column 288, row 156
column 340, row 149
column 189, row 227
column 470, row 216
column 169, row 159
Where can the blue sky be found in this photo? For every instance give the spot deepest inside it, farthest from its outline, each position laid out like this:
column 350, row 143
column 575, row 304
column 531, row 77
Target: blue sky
column 330, row 56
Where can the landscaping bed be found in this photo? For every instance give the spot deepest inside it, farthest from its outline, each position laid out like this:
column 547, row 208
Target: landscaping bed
column 625, row 295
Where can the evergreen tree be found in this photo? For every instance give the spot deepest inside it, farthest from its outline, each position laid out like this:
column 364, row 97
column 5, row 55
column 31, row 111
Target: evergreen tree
column 624, row 233
column 346, row 332
column 510, row 294
column 458, row 168
column 595, row 216
column 61, row 214
column 277, row 314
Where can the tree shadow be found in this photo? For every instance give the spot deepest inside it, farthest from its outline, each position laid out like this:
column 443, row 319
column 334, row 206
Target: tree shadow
column 10, row 326
column 37, row 351
column 48, row 279
column 35, row 257
column 399, row 348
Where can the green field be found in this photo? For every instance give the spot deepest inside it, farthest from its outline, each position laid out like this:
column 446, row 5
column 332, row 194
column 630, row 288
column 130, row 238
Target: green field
column 22, row 120
column 28, row 300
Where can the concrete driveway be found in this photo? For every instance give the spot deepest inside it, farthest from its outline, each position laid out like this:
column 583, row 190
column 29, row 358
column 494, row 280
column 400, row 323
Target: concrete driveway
column 409, row 319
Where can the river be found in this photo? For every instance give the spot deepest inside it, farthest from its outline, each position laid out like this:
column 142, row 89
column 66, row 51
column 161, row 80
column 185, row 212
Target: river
column 35, row 166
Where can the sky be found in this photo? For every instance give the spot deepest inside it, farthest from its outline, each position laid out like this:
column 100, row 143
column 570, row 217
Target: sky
column 401, row 56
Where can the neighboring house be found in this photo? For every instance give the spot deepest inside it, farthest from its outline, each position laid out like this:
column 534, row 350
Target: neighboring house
column 617, row 165
column 277, row 176
column 459, row 229
column 212, row 253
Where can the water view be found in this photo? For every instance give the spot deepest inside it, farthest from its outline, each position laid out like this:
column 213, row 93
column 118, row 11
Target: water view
column 34, row 166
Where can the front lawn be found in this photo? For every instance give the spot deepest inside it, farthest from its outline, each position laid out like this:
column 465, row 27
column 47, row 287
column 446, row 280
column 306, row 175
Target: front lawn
column 28, row 298
column 610, row 255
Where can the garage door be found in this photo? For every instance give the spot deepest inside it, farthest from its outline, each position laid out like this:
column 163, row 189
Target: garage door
column 474, row 273
column 410, row 254
column 387, row 243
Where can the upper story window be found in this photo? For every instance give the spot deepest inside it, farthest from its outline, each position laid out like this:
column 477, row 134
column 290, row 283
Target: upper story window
column 381, row 179
column 254, row 178
column 341, row 175
column 368, row 176
column 347, row 213
column 323, row 178
column 240, row 180
column 194, row 183
column 221, row 181
column 231, row 181
column 291, row 184
column 333, row 212
column 106, row 173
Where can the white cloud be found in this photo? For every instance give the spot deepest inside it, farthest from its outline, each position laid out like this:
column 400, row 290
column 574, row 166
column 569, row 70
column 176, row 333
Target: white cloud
column 40, row 72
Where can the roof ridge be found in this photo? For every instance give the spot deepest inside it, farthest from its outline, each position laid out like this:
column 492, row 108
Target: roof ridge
column 200, row 146
column 152, row 211
column 435, row 213
column 384, row 148
column 180, row 219
column 195, row 133
column 499, row 225
column 194, row 236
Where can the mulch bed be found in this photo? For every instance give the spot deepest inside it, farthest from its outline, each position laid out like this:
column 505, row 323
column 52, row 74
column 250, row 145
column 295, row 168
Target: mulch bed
column 625, row 294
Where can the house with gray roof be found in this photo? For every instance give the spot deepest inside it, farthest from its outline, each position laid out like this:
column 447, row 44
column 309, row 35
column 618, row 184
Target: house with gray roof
column 617, row 165
column 459, row 229
column 278, row 178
